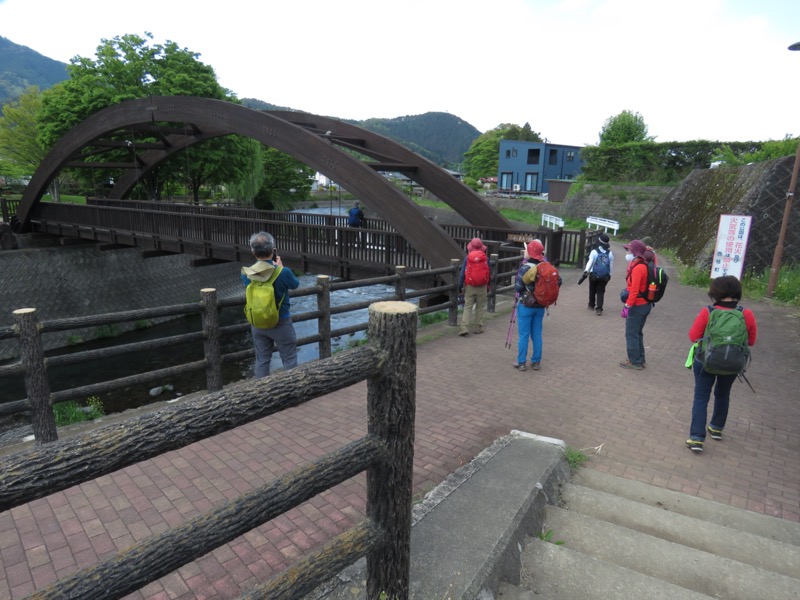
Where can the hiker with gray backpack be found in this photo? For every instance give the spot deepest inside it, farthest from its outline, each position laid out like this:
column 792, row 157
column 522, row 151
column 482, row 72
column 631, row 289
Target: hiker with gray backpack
column 598, row 270
column 722, row 334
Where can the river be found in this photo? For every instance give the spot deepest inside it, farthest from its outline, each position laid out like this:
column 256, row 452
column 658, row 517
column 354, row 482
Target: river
column 71, row 376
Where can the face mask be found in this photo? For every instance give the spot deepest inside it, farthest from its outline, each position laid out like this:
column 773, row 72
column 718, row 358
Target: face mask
column 629, row 257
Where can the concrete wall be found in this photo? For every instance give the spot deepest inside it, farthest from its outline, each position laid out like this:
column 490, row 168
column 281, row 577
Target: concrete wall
column 72, row 281
column 688, row 218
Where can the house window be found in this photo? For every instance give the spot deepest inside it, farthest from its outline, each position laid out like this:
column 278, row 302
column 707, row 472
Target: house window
column 553, row 158
column 513, row 152
column 531, row 182
column 508, row 153
column 533, row 156
column 506, row 180
column 570, row 156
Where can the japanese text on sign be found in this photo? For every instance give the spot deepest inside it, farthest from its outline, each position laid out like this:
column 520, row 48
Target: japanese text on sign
column 731, row 246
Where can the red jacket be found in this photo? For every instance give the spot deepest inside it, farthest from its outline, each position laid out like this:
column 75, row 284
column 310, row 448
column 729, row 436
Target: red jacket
column 637, row 282
column 701, row 320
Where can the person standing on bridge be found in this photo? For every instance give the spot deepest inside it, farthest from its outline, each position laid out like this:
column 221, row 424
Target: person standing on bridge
column 355, row 216
column 282, row 336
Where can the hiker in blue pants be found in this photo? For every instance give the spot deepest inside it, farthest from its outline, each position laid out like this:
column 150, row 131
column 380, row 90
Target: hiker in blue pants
column 529, row 319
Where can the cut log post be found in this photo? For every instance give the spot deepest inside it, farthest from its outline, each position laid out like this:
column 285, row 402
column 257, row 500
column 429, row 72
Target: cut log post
column 400, row 284
column 452, row 313
column 211, row 342
column 324, row 321
column 37, row 385
column 491, row 297
column 391, row 407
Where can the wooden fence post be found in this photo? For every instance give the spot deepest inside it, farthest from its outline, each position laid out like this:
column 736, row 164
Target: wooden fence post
column 391, row 407
column 211, row 340
column 491, row 297
column 324, row 321
column 582, row 250
column 452, row 311
column 400, row 284
column 37, row 385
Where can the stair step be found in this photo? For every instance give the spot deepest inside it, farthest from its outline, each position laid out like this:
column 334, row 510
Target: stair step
column 696, row 570
column 559, row 573
column 692, row 506
column 740, row 546
column 512, row 592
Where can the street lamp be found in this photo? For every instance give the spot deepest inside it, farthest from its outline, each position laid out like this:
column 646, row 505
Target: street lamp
column 787, row 210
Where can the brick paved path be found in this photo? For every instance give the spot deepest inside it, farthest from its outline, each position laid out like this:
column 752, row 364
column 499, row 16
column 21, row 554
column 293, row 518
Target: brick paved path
column 468, row 395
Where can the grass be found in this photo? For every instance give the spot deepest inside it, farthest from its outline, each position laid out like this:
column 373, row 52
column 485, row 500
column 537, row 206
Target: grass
column 547, row 536
column 575, row 458
column 70, row 412
column 433, row 318
column 754, row 285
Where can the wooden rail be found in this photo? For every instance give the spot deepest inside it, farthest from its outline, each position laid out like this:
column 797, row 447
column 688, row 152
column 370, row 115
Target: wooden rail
column 312, row 243
column 387, row 362
column 34, row 365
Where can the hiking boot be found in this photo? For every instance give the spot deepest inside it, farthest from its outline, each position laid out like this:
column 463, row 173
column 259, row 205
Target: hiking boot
column 716, row 434
column 629, row 365
column 464, row 333
column 536, row 366
column 694, row 445
column 520, row 366
column 591, row 306
column 598, row 311
column 478, row 329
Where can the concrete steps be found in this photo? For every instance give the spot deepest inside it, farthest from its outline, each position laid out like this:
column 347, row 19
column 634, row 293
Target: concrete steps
column 624, row 539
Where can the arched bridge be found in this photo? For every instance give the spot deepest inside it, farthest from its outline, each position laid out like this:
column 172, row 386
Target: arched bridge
column 326, row 145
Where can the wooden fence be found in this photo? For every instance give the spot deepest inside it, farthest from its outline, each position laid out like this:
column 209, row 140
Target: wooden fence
column 387, row 362
column 33, row 364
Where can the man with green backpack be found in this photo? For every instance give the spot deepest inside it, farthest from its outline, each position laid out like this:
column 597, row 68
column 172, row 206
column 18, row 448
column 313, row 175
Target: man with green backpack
column 723, row 334
column 267, row 306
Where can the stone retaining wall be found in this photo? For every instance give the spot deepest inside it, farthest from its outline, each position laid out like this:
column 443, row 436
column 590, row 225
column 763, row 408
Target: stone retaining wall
column 73, row 281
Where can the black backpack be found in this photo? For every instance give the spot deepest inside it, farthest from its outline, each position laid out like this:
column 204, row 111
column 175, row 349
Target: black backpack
column 656, row 283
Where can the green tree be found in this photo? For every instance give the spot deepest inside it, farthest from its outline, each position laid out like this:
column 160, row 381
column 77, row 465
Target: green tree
column 624, row 128
column 767, row 151
column 483, row 156
column 285, row 181
column 130, row 67
column 20, row 149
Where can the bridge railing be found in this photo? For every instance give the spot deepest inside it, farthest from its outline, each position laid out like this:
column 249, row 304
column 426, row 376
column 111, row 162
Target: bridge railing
column 34, row 366
column 387, row 362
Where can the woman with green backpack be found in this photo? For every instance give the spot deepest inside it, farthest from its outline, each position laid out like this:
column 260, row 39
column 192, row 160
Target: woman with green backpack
column 723, row 334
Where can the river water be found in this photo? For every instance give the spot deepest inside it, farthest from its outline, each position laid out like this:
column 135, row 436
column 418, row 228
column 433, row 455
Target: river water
column 72, row 376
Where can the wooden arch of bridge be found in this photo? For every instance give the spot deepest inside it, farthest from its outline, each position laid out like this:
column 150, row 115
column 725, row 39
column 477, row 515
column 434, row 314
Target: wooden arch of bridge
column 324, row 144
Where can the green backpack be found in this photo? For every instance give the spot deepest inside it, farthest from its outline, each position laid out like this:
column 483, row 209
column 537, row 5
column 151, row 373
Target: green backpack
column 723, row 349
column 260, row 308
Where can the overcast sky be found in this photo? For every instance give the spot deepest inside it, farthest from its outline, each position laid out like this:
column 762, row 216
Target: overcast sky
column 694, row 69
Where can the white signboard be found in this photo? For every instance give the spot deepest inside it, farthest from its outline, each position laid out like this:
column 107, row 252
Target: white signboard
column 731, row 245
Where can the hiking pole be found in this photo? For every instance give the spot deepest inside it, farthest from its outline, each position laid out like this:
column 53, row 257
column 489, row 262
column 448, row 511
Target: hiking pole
column 743, row 377
column 511, row 322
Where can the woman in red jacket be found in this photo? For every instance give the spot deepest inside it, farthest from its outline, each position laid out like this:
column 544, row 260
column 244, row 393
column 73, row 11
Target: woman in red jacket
column 725, row 292
column 636, row 308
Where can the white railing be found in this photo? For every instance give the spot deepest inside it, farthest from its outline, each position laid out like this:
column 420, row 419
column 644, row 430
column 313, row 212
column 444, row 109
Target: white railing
column 552, row 221
column 606, row 224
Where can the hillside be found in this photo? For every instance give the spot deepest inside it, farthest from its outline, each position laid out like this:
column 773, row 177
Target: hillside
column 440, row 137
column 21, row 67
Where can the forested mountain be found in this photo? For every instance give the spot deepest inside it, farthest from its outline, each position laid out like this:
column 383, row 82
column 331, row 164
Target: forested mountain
column 440, row 137
column 21, row 67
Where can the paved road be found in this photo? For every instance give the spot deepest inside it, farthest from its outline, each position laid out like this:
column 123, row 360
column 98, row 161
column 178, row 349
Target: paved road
column 631, row 423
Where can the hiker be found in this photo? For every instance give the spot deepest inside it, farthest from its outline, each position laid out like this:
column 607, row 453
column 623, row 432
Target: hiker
column 651, row 254
column 473, row 284
column 529, row 318
column 725, row 293
column 282, row 335
column 637, row 307
column 598, row 269
column 355, row 216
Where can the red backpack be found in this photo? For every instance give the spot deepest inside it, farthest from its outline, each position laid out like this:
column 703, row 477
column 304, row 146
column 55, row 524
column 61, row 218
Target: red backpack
column 477, row 272
column 547, row 284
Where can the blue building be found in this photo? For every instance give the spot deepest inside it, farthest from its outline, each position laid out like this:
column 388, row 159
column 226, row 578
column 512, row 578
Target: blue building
column 525, row 167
